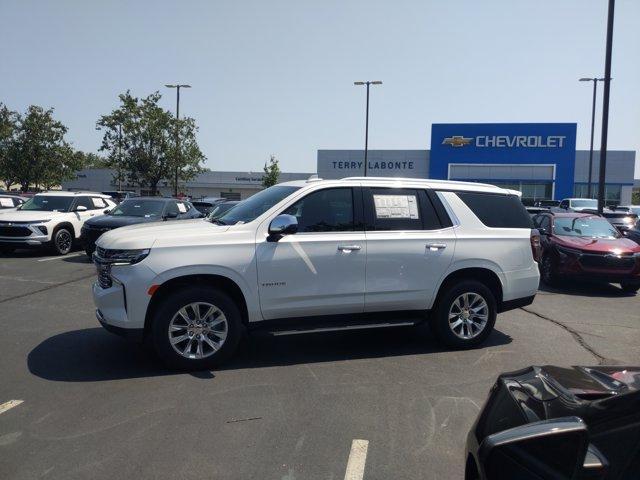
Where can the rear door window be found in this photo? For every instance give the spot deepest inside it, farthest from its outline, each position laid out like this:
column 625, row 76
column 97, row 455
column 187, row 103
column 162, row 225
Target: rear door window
column 402, row 209
column 496, row 210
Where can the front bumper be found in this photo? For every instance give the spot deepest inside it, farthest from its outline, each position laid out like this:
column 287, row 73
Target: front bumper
column 123, row 305
column 24, row 242
column 601, row 267
column 134, row 334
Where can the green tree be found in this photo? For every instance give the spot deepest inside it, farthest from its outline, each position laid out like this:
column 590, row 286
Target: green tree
column 36, row 153
column 271, row 172
column 635, row 196
column 7, row 128
column 145, row 143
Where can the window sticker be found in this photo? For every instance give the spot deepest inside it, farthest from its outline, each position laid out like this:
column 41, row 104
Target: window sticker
column 396, row 206
column 182, row 208
column 6, row 202
column 97, row 202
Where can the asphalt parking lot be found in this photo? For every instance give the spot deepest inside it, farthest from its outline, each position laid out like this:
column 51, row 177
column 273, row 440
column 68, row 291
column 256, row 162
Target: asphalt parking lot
column 288, row 407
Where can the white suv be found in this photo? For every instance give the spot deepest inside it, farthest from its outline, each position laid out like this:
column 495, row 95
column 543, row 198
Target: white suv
column 52, row 219
column 316, row 254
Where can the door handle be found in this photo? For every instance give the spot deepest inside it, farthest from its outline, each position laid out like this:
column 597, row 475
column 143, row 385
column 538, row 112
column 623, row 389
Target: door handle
column 434, row 247
column 348, row 248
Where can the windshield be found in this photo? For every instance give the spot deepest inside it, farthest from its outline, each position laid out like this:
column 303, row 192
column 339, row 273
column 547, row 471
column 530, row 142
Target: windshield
column 48, row 203
column 592, row 227
column 254, row 206
column 139, row 208
column 220, row 209
column 584, row 203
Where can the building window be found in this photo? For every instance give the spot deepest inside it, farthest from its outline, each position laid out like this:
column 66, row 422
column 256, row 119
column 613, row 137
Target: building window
column 531, row 191
column 612, row 193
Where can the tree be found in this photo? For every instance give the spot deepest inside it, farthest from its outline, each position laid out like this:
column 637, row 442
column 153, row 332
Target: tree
column 142, row 140
column 35, row 151
column 635, row 196
column 7, row 129
column 271, row 172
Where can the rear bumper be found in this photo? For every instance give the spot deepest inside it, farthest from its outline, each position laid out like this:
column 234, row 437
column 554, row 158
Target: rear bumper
column 516, row 303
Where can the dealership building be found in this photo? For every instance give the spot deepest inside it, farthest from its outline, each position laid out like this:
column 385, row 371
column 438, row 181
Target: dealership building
column 538, row 159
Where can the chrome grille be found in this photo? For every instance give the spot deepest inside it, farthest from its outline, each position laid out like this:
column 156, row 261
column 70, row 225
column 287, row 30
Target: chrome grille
column 104, row 275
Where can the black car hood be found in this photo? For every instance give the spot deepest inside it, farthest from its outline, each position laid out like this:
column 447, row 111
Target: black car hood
column 112, row 221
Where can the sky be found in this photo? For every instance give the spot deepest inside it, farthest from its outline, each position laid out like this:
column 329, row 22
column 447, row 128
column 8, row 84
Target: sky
column 276, row 77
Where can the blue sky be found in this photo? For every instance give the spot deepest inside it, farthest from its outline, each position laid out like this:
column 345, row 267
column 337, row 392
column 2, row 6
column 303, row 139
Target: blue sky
column 277, row 76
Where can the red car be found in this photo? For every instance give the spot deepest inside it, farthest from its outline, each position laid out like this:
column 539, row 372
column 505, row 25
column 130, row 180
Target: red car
column 586, row 245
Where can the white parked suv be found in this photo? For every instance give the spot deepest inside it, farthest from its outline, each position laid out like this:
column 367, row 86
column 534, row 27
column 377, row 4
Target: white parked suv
column 52, row 219
column 304, row 255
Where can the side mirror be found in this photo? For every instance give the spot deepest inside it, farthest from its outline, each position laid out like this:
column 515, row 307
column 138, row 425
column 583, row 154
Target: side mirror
column 283, row 225
column 171, row 215
column 557, row 448
column 543, row 231
column 81, row 208
column 106, row 211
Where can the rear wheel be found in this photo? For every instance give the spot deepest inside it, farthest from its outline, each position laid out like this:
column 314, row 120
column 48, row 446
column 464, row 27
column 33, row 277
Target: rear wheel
column 196, row 328
column 465, row 314
column 62, row 241
column 630, row 287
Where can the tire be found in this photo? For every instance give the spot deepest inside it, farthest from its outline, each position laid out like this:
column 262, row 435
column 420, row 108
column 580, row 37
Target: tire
column 474, row 328
column 630, row 287
column 62, row 241
column 547, row 273
column 197, row 353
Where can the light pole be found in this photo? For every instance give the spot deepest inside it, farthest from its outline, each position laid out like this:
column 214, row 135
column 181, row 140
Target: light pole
column 593, row 119
column 605, row 107
column 366, row 128
column 177, row 86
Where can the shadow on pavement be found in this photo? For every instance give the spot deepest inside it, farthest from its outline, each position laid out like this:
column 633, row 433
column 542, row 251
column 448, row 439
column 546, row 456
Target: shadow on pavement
column 93, row 354
column 586, row 288
column 82, row 258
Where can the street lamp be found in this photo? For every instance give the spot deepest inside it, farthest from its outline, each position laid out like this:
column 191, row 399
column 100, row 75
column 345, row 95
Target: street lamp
column 177, row 86
column 593, row 118
column 366, row 128
column 605, row 106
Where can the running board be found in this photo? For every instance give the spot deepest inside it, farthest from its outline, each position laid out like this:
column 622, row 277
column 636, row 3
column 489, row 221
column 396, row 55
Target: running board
column 339, row 323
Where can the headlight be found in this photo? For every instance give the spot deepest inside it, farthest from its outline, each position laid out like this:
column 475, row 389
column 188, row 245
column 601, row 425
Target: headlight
column 124, row 257
column 628, row 220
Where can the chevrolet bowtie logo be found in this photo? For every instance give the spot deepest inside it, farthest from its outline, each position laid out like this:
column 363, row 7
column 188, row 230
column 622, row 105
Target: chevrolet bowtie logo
column 457, row 141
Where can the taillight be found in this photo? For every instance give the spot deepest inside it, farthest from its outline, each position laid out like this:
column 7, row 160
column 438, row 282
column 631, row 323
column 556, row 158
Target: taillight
column 536, row 246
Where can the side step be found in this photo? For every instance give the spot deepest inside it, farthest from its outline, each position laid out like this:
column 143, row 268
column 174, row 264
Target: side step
column 297, row 326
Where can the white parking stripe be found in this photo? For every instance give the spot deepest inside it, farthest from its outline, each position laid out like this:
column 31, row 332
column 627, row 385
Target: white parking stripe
column 61, row 256
column 9, row 405
column 357, row 460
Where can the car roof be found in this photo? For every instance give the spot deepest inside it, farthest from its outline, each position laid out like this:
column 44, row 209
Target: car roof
column 161, row 199
column 64, row 193
column 8, row 195
column 401, row 182
column 571, row 214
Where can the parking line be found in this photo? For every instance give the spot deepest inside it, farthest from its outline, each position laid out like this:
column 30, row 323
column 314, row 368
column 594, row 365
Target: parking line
column 9, row 405
column 61, row 256
column 357, row 460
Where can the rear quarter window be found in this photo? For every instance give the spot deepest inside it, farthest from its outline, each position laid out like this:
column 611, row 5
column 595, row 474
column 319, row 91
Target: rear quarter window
column 496, row 210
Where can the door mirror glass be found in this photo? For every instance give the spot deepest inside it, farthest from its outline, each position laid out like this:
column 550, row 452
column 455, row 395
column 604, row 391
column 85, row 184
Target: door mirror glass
column 283, row 225
column 549, row 449
column 81, row 208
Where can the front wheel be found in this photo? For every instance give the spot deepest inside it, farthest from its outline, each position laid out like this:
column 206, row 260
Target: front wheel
column 630, row 287
column 547, row 271
column 196, row 328
column 465, row 314
column 62, row 241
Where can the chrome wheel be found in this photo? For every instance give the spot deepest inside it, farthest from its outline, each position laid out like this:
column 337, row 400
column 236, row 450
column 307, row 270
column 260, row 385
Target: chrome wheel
column 468, row 315
column 63, row 241
column 198, row 330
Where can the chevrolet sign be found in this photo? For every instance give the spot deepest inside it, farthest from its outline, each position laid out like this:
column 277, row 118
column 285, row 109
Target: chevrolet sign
column 508, row 141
